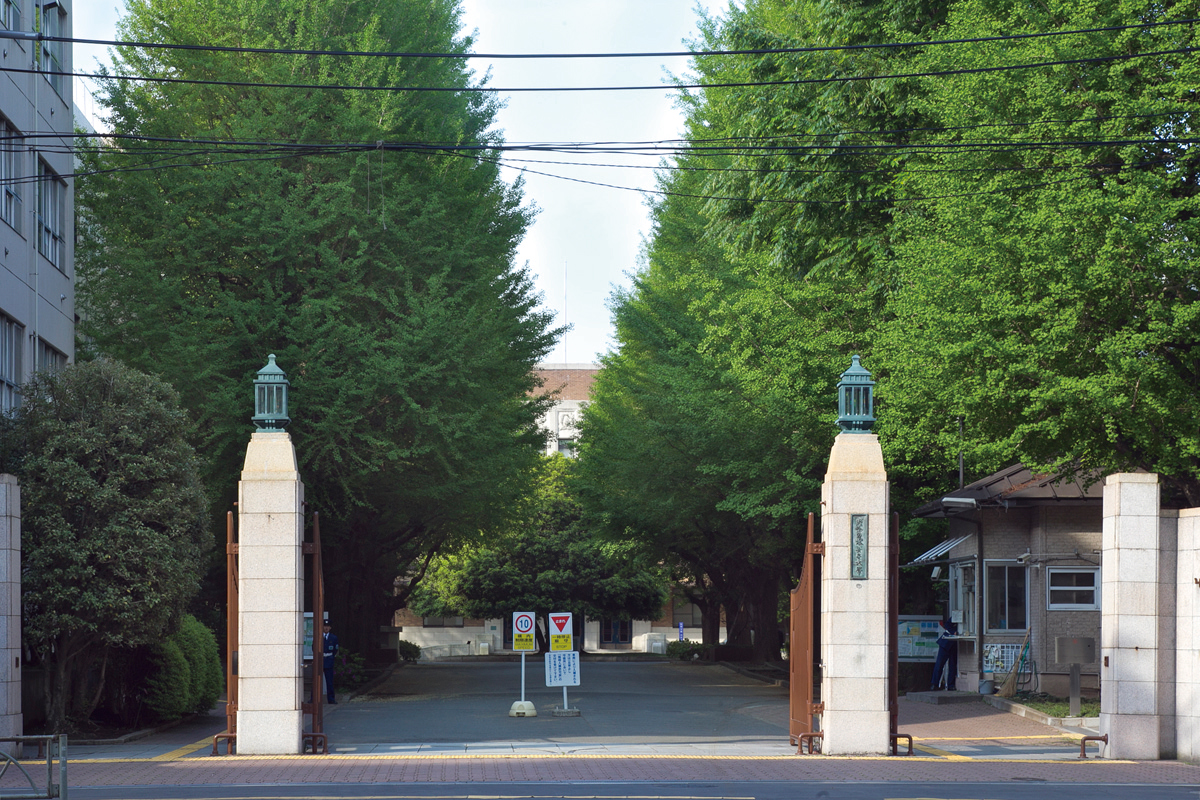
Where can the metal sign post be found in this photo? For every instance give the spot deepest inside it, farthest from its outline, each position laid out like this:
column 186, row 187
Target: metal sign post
column 523, row 642
column 562, row 669
column 562, row 662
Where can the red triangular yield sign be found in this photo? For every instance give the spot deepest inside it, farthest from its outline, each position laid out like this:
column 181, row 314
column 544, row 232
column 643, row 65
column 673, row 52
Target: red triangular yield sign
column 560, row 621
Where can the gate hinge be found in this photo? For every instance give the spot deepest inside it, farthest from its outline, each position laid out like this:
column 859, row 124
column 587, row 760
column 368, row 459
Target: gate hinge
column 817, row 548
column 816, row 708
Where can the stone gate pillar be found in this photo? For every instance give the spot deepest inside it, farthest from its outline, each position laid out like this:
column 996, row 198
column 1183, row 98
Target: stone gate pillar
column 1137, row 622
column 11, row 718
column 271, row 584
column 854, row 580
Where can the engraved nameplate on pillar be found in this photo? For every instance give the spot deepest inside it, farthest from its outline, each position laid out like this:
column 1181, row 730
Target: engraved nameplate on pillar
column 858, row 547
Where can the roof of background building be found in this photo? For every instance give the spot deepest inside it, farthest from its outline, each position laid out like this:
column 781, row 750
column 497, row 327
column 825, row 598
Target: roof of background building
column 572, row 381
column 1017, row 487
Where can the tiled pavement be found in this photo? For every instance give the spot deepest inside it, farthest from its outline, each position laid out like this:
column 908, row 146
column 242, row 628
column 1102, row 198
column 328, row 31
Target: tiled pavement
column 967, row 742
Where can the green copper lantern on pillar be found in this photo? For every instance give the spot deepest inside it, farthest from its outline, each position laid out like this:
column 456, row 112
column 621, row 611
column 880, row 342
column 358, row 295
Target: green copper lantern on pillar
column 856, row 399
column 271, row 397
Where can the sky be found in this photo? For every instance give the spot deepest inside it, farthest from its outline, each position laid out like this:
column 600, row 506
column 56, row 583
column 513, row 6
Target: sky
column 586, row 239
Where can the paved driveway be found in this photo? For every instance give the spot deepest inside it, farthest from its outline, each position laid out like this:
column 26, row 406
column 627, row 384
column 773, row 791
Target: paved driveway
column 624, row 707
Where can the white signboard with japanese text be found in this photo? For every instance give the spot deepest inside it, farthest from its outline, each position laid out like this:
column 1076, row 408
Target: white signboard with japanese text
column 562, row 669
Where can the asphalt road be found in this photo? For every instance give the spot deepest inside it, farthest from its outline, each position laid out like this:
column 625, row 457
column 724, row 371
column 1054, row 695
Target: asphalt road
column 456, row 705
column 646, row 731
column 789, row 790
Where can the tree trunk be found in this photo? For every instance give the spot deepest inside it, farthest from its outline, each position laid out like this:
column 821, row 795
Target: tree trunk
column 710, row 622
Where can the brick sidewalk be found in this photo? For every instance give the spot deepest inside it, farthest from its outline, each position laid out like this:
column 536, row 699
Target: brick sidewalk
column 341, row 769
column 969, row 721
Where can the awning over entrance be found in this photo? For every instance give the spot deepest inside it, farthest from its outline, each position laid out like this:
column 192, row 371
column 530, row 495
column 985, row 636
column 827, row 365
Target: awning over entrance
column 937, row 552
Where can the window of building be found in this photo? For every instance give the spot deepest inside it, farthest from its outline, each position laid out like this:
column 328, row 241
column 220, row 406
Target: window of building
column 1072, row 588
column 442, row 622
column 49, row 359
column 52, row 51
column 11, row 337
column 614, row 631
column 10, row 206
column 687, row 613
column 567, row 447
column 1006, row 596
column 52, row 196
column 963, row 606
column 10, row 14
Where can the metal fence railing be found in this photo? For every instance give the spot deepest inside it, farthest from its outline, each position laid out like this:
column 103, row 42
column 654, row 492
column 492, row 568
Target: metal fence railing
column 54, row 749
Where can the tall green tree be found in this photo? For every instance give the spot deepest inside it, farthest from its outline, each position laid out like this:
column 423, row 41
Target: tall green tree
column 238, row 217
column 549, row 561
column 1046, row 284
column 708, row 470
column 114, row 522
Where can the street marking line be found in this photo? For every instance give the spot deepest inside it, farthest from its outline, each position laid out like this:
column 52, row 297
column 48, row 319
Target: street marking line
column 1064, row 734
column 943, row 753
column 183, row 751
column 235, row 761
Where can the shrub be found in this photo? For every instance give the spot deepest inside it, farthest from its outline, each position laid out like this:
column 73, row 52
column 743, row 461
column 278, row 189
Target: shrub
column 199, row 647
column 686, row 650
column 409, row 652
column 185, row 675
column 168, row 687
column 349, row 669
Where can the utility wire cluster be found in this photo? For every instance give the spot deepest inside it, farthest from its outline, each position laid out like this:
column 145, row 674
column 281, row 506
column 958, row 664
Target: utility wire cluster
column 158, row 153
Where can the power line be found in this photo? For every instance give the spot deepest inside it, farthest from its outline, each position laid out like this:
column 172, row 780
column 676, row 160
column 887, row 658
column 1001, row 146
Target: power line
column 653, row 146
column 840, row 201
column 748, row 148
column 659, row 54
column 631, row 88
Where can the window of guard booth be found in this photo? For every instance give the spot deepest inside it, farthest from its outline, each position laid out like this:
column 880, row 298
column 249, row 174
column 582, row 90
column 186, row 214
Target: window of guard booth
column 442, row 622
column 963, row 604
column 1006, row 596
column 1072, row 588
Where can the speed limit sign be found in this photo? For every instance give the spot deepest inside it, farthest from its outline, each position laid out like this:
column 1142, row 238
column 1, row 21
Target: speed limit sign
column 523, row 636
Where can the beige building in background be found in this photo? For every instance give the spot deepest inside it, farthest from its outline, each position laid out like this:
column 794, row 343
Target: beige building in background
column 37, row 296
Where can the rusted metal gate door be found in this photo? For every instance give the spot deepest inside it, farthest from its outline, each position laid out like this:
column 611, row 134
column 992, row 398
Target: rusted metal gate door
column 802, row 652
column 316, row 737
column 231, row 638
column 893, row 636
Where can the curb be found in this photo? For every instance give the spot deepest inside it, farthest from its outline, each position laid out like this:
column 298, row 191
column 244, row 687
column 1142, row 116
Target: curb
column 134, row 736
column 729, row 665
column 1072, row 724
column 373, row 683
column 651, row 658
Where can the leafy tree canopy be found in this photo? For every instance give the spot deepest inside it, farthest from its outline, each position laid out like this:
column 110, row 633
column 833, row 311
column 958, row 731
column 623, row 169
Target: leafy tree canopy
column 383, row 279
column 546, row 562
column 114, row 519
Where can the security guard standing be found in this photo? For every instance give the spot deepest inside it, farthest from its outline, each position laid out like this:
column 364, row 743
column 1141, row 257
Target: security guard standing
column 331, row 648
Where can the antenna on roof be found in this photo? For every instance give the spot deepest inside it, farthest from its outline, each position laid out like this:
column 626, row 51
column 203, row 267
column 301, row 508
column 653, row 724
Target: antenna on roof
column 960, row 451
